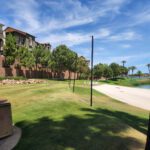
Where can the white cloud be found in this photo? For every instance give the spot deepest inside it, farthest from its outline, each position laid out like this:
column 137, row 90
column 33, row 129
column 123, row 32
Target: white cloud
column 125, row 36
column 25, row 13
column 103, row 32
column 65, row 14
column 128, row 58
column 126, row 46
column 49, row 27
column 104, row 35
column 140, row 17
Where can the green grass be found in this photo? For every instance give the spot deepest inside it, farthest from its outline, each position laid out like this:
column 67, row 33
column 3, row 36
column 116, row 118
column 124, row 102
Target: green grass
column 127, row 81
column 53, row 118
column 13, row 78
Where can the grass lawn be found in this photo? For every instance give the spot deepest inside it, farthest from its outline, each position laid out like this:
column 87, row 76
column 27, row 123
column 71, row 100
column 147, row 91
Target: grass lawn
column 53, row 118
column 127, row 81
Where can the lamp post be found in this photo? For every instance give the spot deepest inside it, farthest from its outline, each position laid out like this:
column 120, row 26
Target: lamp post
column 92, row 50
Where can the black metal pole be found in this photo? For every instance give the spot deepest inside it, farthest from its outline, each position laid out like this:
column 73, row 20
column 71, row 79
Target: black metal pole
column 92, row 50
column 75, row 74
column 147, row 147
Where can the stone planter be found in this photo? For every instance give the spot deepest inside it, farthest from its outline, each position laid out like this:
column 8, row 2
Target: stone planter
column 6, row 128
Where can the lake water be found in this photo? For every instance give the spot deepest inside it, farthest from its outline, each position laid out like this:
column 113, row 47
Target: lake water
column 144, row 86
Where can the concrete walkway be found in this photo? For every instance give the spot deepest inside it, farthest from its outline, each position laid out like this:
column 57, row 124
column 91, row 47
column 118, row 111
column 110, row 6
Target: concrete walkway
column 132, row 96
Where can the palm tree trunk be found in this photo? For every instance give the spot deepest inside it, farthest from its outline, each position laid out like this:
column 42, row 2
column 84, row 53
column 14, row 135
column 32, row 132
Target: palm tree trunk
column 132, row 74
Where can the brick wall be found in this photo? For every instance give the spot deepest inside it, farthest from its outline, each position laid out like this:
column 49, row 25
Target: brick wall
column 4, row 72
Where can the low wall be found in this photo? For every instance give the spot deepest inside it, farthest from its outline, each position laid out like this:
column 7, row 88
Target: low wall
column 5, row 72
column 43, row 73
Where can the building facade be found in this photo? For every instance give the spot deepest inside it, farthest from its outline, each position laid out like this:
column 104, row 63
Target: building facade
column 22, row 38
column 2, row 39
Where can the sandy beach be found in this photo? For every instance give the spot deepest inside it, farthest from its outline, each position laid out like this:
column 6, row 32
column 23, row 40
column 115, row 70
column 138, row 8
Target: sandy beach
column 133, row 96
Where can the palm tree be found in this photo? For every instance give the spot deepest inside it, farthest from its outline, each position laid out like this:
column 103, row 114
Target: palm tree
column 123, row 62
column 132, row 69
column 148, row 65
column 139, row 73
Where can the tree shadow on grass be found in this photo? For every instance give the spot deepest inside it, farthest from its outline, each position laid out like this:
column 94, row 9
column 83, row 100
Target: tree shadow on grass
column 137, row 123
column 98, row 130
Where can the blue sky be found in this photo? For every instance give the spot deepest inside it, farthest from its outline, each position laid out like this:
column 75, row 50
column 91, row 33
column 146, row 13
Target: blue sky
column 121, row 27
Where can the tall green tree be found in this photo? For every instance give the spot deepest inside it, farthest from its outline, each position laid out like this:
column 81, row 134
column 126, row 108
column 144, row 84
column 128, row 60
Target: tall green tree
column 71, row 63
column 37, row 53
column 108, row 72
column 83, row 67
column 45, row 58
column 62, row 59
column 116, row 69
column 10, row 49
column 26, row 58
column 98, row 70
column 59, row 58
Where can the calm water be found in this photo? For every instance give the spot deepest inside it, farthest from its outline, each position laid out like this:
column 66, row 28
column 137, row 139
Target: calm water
column 144, row 86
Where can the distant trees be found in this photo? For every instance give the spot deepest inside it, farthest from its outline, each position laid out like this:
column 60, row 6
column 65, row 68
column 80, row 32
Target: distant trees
column 132, row 68
column 98, row 70
column 108, row 71
column 116, row 69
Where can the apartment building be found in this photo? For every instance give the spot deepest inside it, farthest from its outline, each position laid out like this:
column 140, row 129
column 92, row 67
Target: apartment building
column 22, row 38
column 2, row 38
column 25, row 39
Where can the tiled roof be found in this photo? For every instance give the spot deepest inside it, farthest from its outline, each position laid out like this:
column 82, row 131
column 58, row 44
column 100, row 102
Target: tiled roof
column 10, row 29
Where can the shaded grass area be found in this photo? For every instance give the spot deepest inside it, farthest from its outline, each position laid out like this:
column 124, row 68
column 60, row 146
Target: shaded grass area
column 127, row 81
column 53, row 118
column 96, row 130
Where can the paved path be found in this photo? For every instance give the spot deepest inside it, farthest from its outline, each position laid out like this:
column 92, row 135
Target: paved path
column 132, row 96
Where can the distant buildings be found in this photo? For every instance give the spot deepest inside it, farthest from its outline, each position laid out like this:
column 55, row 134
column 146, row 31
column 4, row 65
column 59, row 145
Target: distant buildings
column 45, row 45
column 22, row 38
